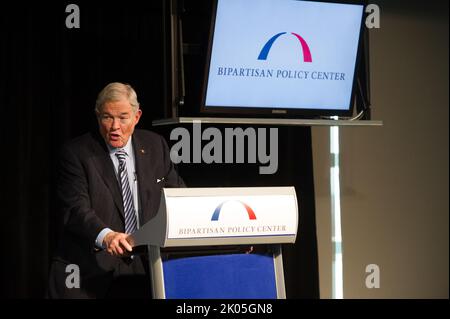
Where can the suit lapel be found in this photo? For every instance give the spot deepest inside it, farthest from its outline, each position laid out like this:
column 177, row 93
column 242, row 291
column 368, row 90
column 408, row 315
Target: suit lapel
column 145, row 174
column 104, row 165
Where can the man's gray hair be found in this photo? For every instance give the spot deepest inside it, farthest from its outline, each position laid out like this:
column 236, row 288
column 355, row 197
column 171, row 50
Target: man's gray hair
column 115, row 92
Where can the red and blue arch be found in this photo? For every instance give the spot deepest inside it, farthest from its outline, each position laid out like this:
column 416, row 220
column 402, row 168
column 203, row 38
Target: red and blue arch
column 249, row 210
column 305, row 48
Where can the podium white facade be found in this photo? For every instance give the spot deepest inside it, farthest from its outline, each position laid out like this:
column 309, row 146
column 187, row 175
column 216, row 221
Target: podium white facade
column 194, row 218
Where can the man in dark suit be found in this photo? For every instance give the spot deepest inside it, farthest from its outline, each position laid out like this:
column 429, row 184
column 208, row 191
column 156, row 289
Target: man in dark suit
column 109, row 184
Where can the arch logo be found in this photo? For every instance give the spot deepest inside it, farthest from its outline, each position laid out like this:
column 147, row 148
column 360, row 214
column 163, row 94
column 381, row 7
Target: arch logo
column 248, row 209
column 306, row 52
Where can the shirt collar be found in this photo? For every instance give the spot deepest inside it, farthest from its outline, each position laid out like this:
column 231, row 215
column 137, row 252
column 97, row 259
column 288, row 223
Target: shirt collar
column 127, row 148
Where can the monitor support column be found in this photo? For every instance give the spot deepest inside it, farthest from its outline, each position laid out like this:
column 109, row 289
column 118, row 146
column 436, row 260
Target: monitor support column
column 336, row 236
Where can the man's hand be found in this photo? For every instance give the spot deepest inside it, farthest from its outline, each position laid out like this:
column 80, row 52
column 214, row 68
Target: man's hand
column 117, row 245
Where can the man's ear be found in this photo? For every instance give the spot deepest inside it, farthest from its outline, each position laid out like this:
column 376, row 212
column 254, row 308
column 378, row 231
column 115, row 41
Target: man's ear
column 138, row 116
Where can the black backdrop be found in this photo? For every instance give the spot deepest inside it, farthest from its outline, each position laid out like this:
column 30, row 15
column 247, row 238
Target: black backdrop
column 49, row 78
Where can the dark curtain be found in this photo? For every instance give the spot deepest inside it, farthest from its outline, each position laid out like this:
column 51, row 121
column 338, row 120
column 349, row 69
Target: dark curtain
column 49, row 78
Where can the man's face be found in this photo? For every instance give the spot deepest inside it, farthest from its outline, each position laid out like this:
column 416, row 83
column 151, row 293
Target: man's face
column 117, row 121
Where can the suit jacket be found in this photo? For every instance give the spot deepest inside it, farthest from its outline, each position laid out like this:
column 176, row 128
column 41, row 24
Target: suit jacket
column 90, row 200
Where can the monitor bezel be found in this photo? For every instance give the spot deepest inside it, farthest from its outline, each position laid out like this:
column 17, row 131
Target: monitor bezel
column 264, row 112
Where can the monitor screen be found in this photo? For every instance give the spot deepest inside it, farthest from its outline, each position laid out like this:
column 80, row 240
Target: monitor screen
column 282, row 57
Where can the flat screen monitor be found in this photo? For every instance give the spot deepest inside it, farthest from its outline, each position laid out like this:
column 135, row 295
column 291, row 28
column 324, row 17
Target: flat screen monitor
column 282, row 58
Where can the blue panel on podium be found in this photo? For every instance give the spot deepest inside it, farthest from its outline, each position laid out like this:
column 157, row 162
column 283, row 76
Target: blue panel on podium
column 220, row 276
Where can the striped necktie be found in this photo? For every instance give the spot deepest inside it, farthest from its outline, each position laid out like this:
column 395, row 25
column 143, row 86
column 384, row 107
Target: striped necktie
column 128, row 206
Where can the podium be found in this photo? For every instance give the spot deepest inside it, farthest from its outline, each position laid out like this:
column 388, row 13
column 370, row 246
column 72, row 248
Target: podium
column 219, row 242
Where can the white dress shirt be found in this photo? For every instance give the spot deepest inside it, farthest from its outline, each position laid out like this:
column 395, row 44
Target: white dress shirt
column 132, row 179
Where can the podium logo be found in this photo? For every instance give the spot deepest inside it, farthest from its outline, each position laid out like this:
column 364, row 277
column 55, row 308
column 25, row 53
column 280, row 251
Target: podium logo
column 305, row 48
column 249, row 210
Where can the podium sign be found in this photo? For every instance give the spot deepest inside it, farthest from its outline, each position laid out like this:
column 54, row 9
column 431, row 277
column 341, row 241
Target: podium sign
column 222, row 216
